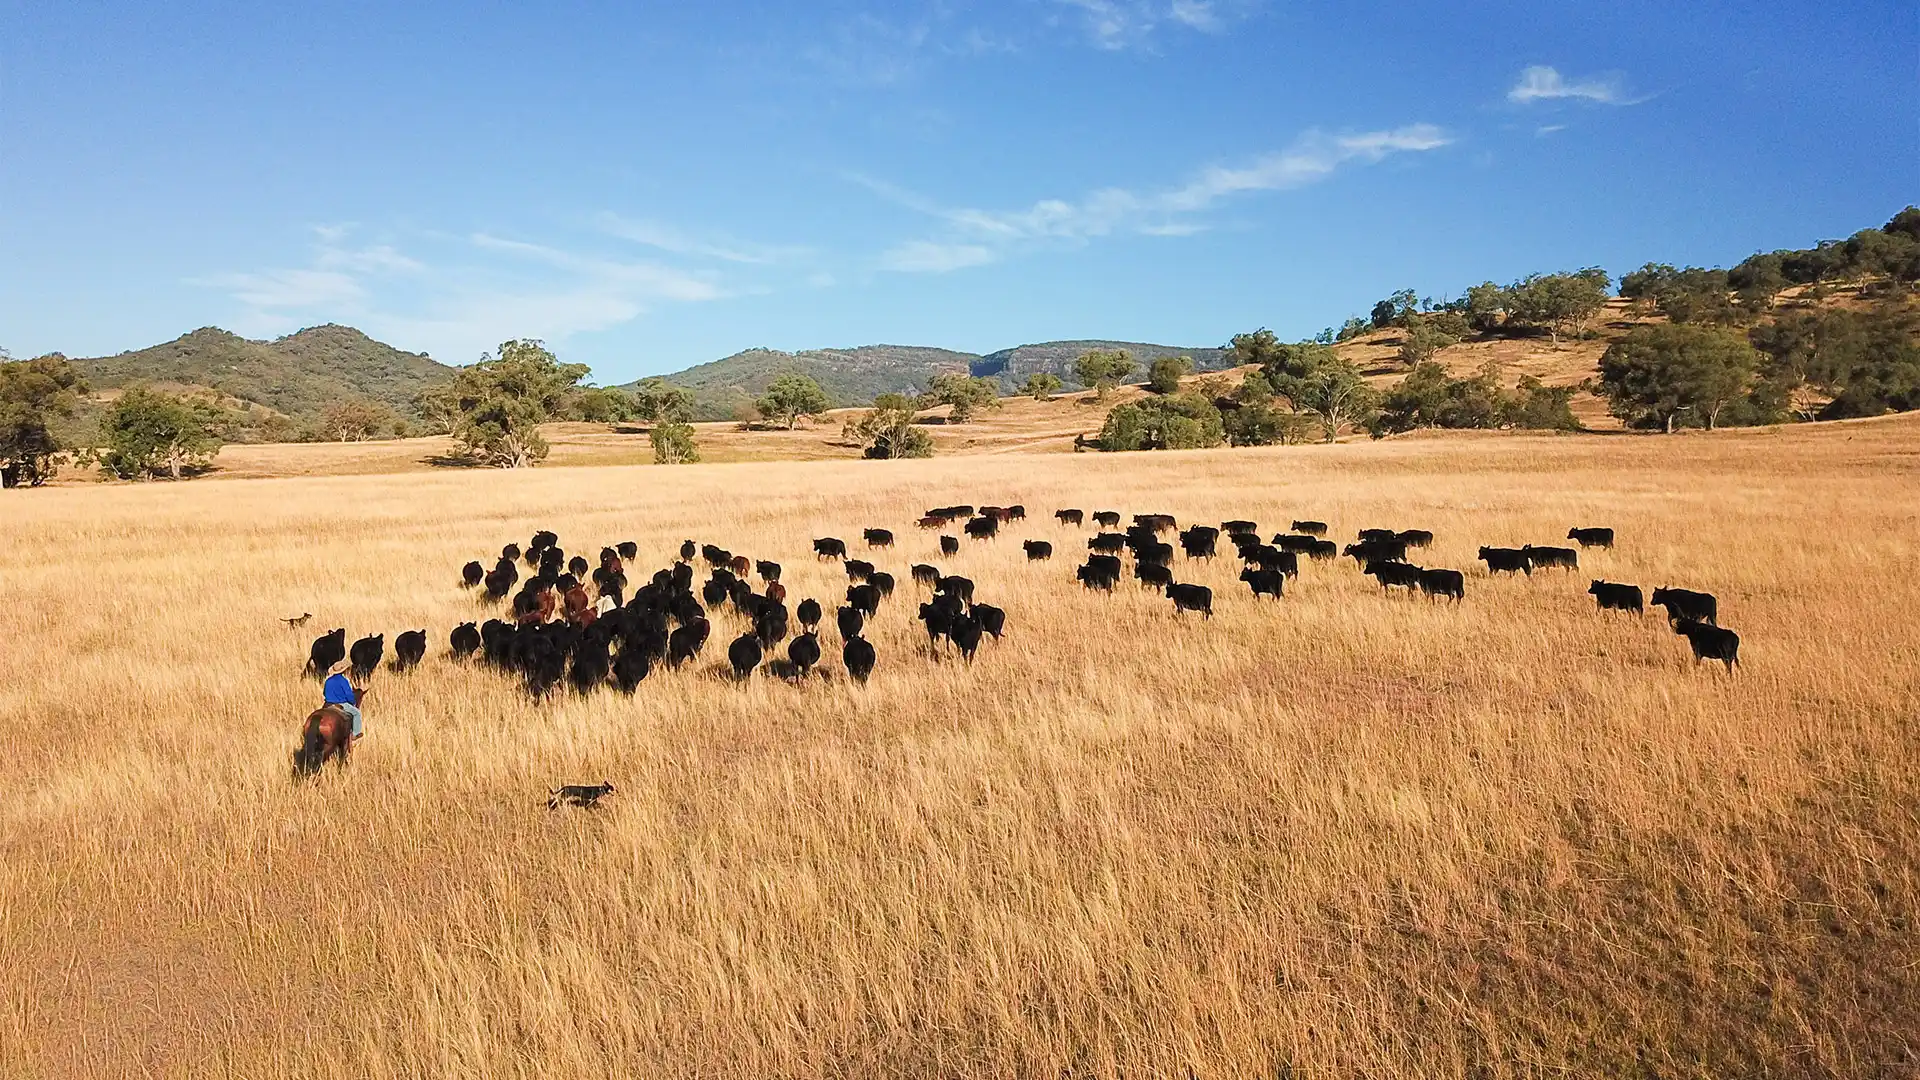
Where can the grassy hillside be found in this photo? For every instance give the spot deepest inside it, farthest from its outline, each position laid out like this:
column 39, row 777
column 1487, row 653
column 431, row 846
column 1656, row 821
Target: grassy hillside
column 296, row 376
column 1012, row 366
column 849, row 376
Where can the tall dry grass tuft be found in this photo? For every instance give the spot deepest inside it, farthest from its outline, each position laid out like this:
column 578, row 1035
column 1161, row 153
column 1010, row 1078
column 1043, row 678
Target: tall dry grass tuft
column 1343, row 834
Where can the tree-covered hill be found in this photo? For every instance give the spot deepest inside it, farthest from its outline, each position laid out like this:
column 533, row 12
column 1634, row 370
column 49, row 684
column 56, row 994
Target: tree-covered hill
column 849, row 376
column 298, row 375
column 1012, row 366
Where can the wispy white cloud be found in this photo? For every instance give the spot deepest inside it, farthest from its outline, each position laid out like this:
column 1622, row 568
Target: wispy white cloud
column 1128, row 24
column 1545, row 130
column 934, row 257
column 470, row 294
column 976, row 236
column 675, row 241
column 1542, row 83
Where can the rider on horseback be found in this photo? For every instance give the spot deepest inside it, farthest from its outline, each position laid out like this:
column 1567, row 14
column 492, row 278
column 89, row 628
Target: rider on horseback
column 340, row 694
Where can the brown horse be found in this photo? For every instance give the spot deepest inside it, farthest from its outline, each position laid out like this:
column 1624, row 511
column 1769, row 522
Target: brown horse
column 328, row 734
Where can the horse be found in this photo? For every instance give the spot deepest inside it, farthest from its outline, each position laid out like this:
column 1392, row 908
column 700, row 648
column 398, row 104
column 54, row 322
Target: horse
column 328, row 734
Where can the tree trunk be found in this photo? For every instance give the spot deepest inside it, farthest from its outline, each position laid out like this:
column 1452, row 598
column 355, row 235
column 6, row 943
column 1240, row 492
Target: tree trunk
column 1669, row 423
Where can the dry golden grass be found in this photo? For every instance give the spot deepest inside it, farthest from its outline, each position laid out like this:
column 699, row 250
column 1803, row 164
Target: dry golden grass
column 1340, row 835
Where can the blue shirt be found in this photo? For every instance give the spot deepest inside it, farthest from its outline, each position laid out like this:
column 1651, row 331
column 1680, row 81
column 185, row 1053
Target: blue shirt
column 339, row 691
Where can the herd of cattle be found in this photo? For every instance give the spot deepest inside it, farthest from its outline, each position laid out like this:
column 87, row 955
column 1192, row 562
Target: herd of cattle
column 575, row 621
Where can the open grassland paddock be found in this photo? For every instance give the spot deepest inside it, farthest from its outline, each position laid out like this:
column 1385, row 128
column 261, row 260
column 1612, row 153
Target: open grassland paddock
column 1343, row 834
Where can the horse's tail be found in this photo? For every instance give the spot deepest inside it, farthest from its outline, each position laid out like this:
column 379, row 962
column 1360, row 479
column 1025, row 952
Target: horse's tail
column 306, row 760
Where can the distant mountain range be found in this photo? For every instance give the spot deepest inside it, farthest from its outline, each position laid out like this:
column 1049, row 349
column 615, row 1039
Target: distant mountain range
column 722, row 388
column 299, row 375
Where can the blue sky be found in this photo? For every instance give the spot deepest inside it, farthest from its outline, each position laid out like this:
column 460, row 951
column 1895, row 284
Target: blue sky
column 647, row 186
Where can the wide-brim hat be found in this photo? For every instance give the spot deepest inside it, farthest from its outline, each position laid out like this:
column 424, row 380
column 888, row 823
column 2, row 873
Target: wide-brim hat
column 340, row 668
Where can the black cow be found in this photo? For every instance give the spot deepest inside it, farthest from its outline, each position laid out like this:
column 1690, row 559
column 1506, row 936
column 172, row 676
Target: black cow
column 859, row 569
column 808, row 613
column 630, row 668
column 1109, row 519
column 851, row 622
column 1153, row 576
column 1188, row 597
column 543, row 539
column 592, row 663
column 1613, row 596
column 465, row 640
column 1267, row 557
column 744, row 654
column 1107, row 543
column 955, row 585
column 1154, row 554
column 1265, row 582
column 1100, row 572
column 327, row 650
column 1710, row 642
column 1294, row 542
column 1159, row 523
column 1311, row 528
column 500, row 580
column 1415, row 538
column 879, row 538
column 409, row 649
column 965, row 636
column 830, row 548
column 938, row 616
column 687, row 551
column 983, row 528
column 1687, row 604
column 1323, row 550
column 1377, row 549
column 510, row 552
column 991, row 619
column 1444, row 583
column 1600, row 538
column 858, row 656
column 865, row 599
column 1238, row 526
column 804, row 652
column 1378, row 534
column 949, row 545
column 1070, row 517
column 1564, row 558
column 768, row 571
column 1507, row 560
column 1393, row 574
column 1037, row 549
column 472, row 574
column 366, row 654
column 578, row 567
column 628, row 550
column 686, row 640
column 1199, row 541
column 924, row 574
column 882, row 581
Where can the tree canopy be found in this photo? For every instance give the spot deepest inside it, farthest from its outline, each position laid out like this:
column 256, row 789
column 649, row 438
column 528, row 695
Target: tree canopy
column 887, row 430
column 33, row 395
column 1168, row 422
column 1319, row 382
column 1676, row 375
column 792, row 396
column 494, row 408
column 1430, row 397
column 148, row 433
column 1103, row 369
column 962, row 394
column 1163, row 375
column 1041, row 386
